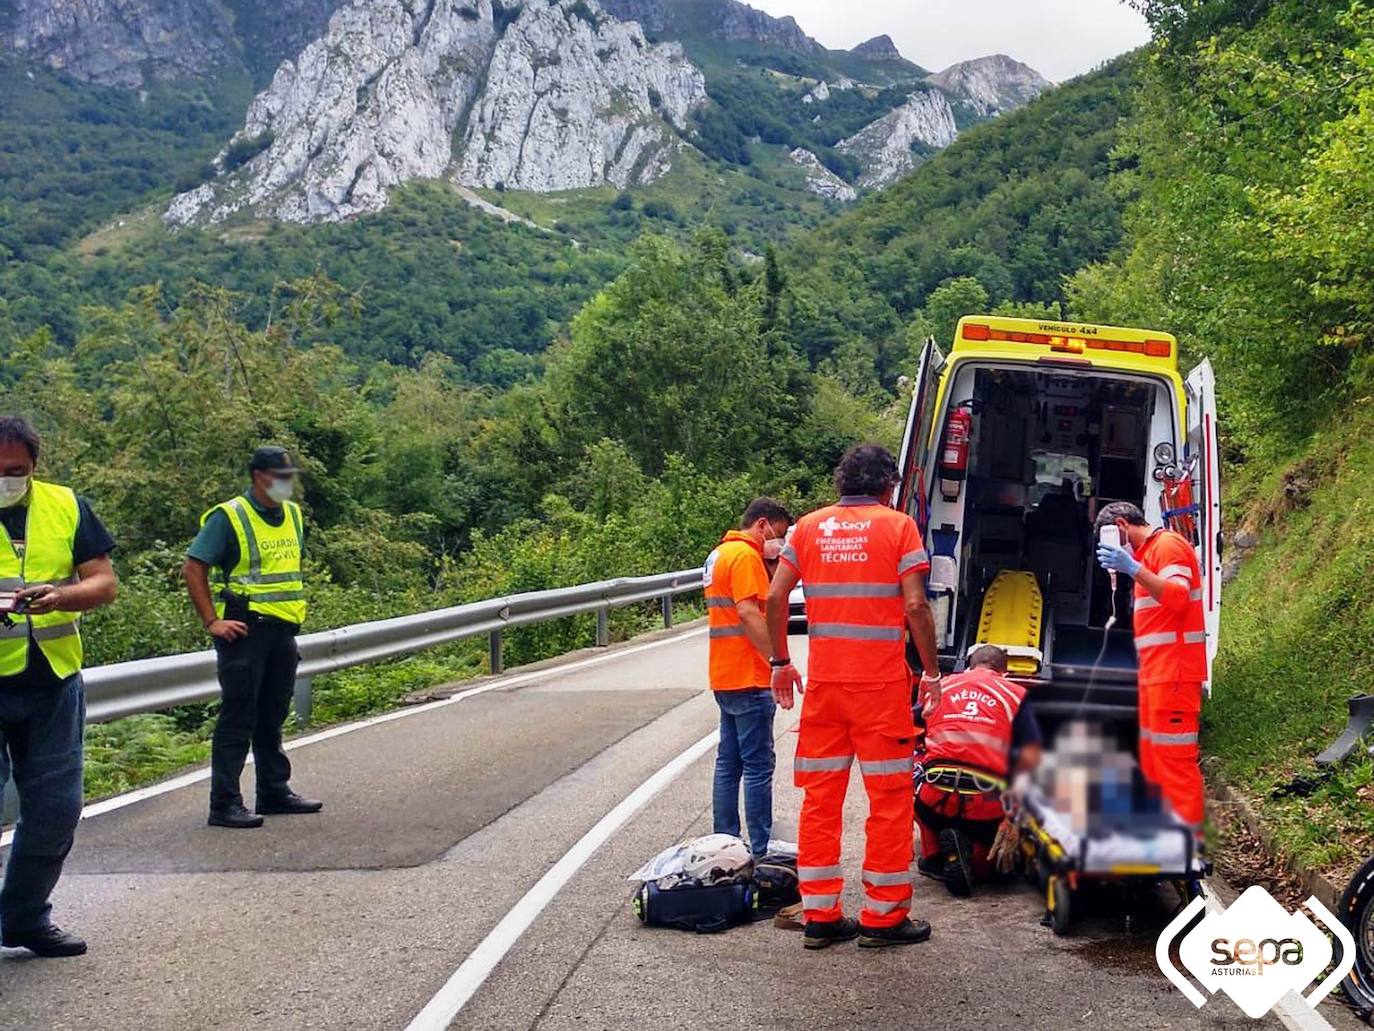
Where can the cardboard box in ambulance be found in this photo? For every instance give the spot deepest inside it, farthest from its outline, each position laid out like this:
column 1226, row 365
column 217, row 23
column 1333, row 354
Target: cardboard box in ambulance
column 1014, row 443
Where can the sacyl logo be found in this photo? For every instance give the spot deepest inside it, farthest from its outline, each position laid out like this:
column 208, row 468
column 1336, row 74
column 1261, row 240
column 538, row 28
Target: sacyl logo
column 832, row 524
column 1255, row 951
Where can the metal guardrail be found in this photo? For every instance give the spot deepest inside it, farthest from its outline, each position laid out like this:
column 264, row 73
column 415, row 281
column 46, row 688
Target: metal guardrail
column 152, row 685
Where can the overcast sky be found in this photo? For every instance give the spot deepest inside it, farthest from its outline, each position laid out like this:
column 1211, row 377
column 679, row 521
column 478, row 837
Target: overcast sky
column 1059, row 38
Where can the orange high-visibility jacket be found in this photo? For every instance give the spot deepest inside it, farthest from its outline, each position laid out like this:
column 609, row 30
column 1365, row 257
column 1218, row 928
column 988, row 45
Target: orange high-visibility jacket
column 852, row 558
column 734, row 572
column 972, row 723
column 1171, row 633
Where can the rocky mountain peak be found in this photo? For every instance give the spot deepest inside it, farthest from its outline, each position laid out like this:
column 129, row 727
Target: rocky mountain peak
column 895, row 144
column 727, row 20
column 541, row 95
column 992, row 85
column 879, row 48
column 123, row 43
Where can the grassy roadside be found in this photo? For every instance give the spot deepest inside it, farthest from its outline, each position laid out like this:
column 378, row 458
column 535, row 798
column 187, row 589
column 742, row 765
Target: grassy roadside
column 1297, row 641
column 130, row 753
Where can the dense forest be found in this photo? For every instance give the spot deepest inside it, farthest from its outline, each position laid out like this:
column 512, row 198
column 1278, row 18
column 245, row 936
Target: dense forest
column 486, row 407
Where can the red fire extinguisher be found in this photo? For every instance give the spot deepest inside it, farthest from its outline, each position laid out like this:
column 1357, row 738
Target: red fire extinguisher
column 954, row 457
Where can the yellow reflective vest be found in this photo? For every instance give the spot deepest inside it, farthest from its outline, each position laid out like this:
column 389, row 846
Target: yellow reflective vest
column 268, row 572
column 47, row 558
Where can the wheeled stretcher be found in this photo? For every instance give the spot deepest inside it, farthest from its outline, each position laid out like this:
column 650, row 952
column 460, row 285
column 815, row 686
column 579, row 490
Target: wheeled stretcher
column 1148, row 847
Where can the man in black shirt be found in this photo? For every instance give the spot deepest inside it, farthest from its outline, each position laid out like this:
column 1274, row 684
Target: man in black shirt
column 54, row 564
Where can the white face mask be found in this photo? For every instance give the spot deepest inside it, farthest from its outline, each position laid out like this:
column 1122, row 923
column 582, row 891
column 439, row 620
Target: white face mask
column 772, row 548
column 281, row 488
column 13, row 489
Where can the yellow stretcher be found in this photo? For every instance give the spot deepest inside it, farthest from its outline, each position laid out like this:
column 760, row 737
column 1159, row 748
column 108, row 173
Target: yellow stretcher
column 1012, row 618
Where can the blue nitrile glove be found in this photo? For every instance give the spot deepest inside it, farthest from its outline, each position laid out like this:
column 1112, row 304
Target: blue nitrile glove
column 1117, row 559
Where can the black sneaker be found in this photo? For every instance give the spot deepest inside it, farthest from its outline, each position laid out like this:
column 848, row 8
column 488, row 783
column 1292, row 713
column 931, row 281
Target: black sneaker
column 908, row 932
column 50, row 942
column 958, row 853
column 234, row 816
column 932, row 867
column 289, row 804
column 821, row 934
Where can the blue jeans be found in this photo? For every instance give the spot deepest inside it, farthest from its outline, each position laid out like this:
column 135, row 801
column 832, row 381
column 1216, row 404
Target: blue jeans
column 41, row 734
column 746, row 751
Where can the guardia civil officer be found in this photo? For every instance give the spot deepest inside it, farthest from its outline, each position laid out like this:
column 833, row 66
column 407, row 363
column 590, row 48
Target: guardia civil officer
column 54, row 565
column 254, row 543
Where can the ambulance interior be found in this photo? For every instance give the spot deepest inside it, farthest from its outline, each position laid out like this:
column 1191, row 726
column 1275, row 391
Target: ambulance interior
column 1049, row 447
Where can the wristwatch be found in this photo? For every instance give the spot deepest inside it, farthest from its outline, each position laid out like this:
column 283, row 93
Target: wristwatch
column 780, row 663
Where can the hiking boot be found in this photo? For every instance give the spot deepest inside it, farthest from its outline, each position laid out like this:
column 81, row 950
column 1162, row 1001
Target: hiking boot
column 50, row 942
column 908, row 932
column 958, row 852
column 821, row 934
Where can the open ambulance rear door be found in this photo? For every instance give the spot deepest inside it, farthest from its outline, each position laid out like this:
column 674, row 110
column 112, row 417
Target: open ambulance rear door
column 1206, row 476
column 913, row 459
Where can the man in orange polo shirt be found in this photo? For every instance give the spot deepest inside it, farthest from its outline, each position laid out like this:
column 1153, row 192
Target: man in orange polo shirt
column 863, row 567
column 736, row 585
column 1171, row 643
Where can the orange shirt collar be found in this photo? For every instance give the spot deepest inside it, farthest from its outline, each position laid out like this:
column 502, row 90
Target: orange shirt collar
column 740, row 535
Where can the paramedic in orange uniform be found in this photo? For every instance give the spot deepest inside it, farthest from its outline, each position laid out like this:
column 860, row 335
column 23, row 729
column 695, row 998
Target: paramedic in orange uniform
column 1171, row 642
column 978, row 730
column 736, row 585
column 863, row 567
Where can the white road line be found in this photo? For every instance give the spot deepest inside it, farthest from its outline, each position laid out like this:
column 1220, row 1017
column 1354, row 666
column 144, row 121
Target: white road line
column 195, row 776
column 454, row 995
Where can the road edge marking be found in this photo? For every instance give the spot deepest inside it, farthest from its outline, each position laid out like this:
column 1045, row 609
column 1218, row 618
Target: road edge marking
column 1292, row 1011
column 463, row 984
column 183, row 780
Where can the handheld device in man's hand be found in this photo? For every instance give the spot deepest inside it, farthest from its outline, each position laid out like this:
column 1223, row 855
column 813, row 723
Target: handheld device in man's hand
column 11, row 605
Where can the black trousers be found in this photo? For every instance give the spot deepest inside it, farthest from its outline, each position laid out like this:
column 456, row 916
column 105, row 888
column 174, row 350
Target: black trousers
column 257, row 675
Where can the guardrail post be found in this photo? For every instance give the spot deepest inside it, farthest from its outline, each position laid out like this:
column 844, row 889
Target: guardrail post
column 667, row 602
column 496, row 652
column 603, row 628
column 304, row 700
column 9, row 806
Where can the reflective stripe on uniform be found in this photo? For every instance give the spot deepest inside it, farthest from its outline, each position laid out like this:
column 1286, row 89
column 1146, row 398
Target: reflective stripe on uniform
column 843, row 590
column 18, row 630
column 883, row 767
column 1141, row 604
column 726, row 631
column 1195, row 595
column 1182, row 571
column 856, row 632
column 826, row 901
column 911, row 560
column 1155, row 640
column 964, row 737
column 828, row 764
column 271, row 578
column 887, row 880
column 54, row 631
column 1195, row 637
column 720, row 603
column 246, row 524
column 271, row 596
column 1173, row 739
column 818, row 873
column 883, row 906
column 789, row 553
column 11, row 583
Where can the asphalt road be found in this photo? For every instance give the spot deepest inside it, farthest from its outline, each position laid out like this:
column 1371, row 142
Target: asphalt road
column 437, row 824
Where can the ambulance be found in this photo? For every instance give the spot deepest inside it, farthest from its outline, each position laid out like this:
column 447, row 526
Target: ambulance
column 1015, row 441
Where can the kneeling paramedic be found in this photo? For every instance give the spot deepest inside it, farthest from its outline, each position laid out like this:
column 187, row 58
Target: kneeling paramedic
column 736, row 585
column 1171, row 643
column 978, row 730
column 256, row 542
column 863, row 567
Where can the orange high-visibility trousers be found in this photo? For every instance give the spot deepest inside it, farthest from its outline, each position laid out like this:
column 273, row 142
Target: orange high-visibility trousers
column 1169, row 723
column 839, row 723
